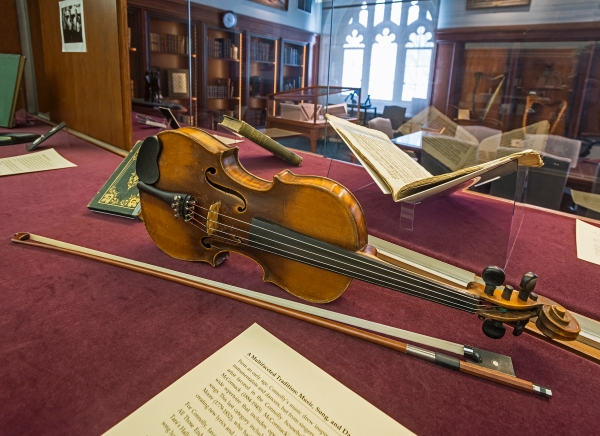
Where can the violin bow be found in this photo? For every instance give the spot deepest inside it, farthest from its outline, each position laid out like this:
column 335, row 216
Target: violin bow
column 268, row 302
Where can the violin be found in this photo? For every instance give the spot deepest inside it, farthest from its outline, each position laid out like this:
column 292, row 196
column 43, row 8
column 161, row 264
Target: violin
column 308, row 234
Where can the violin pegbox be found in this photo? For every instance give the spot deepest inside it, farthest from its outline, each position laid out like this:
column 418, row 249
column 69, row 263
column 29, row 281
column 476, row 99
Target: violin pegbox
column 517, row 308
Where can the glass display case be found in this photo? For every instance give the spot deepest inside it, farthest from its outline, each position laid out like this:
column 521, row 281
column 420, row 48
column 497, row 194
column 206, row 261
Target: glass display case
column 301, row 112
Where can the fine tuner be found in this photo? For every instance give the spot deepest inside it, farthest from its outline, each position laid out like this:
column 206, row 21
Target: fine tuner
column 199, row 204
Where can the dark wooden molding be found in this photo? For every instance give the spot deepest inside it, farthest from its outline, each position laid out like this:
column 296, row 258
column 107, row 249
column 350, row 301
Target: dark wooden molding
column 589, row 31
column 127, row 133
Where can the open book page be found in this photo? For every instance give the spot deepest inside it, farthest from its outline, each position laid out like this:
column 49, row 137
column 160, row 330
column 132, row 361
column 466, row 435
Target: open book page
column 400, row 173
column 528, row 158
column 487, row 148
column 452, row 152
column 257, row 385
column 463, row 134
column 430, row 120
column 375, row 149
column 586, row 199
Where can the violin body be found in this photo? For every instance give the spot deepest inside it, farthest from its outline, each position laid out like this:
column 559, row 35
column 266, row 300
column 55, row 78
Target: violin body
column 194, row 162
column 307, row 233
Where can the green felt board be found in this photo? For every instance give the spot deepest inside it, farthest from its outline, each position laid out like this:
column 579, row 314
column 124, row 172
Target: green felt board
column 10, row 75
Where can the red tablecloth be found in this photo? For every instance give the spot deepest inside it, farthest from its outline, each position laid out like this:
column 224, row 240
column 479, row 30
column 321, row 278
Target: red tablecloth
column 83, row 344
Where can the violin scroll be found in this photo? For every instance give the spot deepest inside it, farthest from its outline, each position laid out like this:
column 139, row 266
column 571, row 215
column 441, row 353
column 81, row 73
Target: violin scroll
column 518, row 308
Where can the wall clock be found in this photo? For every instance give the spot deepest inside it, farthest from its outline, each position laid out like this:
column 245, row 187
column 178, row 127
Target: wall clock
column 229, row 19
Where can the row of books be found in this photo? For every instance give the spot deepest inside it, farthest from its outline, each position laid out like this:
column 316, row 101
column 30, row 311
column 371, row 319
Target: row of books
column 261, row 52
column 292, row 83
column 223, row 89
column 168, row 43
column 222, row 48
column 292, row 56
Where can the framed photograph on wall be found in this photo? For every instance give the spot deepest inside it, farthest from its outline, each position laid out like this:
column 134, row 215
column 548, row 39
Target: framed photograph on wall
column 481, row 4
column 179, row 83
column 279, row 4
column 72, row 27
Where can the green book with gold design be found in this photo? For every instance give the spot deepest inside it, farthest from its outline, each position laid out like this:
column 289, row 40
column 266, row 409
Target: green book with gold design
column 119, row 195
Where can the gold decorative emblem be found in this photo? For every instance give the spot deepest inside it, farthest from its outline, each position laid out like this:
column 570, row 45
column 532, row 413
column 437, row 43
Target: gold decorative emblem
column 133, row 179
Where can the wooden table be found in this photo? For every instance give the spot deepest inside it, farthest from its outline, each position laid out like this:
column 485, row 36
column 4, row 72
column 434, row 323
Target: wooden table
column 581, row 178
column 313, row 130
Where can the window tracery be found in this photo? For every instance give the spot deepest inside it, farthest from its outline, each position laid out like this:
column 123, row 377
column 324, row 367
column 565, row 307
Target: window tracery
column 387, row 49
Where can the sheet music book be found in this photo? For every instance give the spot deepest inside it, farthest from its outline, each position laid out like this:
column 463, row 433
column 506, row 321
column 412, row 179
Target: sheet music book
column 257, row 385
column 397, row 174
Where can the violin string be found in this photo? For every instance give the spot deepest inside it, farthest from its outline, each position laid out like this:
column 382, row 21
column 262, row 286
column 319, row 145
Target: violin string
column 408, row 291
column 347, row 271
column 446, row 300
column 397, row 270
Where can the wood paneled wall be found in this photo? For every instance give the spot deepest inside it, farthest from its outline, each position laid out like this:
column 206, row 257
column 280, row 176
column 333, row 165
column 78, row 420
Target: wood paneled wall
column 90, row 91
column 10, row 41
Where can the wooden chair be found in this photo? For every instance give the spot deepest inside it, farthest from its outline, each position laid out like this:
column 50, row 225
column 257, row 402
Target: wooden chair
column 544, row 103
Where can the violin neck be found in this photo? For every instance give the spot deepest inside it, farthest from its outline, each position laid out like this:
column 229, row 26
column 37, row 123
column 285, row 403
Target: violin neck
column 281, row 241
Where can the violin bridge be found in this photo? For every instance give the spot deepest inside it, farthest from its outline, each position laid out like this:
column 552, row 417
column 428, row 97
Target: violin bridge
column 212, row 218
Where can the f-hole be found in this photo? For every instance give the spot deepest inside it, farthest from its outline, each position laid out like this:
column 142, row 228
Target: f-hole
column 225, row 189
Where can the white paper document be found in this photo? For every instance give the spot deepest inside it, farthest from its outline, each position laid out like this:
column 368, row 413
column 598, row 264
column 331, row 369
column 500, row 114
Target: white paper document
column 588, row 242
column 29, row 163
column 257, row 386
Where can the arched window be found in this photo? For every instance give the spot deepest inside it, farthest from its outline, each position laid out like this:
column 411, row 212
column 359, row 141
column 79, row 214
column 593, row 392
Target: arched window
column 417, row 65
column 353, row 60
column 385, row 49
column 383, row 66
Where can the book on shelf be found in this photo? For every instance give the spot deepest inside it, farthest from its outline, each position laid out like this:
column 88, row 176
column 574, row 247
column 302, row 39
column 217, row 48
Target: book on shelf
column 222, row 48
column 261, row 52
column 11, row 71
column 261, row 139
column 292, row 56
column 168, row 43
column 225, row 88
column 398, row 174
column 119, row 195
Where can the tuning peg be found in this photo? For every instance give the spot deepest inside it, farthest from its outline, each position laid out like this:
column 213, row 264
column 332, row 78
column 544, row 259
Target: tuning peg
column 507, row 293
column 527, row 285
column 493, row 329
column 492, row 276
column 519, row 327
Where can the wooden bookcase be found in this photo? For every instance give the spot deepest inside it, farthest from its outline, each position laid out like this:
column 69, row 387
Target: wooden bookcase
column 222, row 83
column 222, row 76
column 294, row 60
column 168, row 53
column 262, row 62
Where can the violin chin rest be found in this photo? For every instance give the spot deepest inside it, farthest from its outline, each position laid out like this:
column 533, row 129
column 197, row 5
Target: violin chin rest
column 557, row 323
